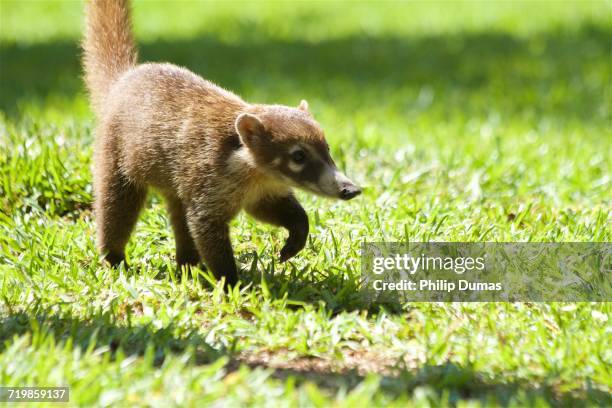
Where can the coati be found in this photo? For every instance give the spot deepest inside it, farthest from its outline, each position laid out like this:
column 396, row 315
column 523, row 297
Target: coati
column 207, row 151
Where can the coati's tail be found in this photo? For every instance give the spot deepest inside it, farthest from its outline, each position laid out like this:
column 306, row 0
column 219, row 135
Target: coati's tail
column 108, row 46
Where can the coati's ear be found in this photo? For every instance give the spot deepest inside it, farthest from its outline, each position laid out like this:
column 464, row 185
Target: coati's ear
column 303, row 105
column 249, row 128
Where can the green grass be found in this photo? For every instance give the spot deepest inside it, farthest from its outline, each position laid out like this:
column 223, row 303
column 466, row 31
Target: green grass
column 465, row 122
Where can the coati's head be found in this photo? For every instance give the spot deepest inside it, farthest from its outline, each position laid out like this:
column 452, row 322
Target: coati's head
column 288, row 144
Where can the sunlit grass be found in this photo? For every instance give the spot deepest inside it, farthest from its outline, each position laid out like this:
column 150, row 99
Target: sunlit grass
column 468, row 122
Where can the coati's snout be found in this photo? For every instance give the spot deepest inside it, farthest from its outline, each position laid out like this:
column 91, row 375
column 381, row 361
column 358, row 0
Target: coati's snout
column 289, row 145
column 333, row 183
column 349, row 190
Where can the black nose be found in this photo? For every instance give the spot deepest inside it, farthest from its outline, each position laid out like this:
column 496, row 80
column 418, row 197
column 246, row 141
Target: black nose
column 349, row 192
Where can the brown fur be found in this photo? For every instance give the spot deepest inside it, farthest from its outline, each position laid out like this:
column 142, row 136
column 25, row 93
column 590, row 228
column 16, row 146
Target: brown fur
column 163, row 126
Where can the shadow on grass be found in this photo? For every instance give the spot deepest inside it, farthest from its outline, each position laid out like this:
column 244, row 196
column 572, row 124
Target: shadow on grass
column 560, row 73
column 456, row 383
column 450, row 380
column 337, row 290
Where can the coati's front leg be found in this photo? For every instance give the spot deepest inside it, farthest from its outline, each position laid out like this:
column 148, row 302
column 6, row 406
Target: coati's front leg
column 212, row 239
column 285, row 212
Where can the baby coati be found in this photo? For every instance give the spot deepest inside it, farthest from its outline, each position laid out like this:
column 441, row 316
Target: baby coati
column 207, row 151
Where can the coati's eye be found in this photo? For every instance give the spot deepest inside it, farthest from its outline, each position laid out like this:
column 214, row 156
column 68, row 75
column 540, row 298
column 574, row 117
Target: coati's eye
column 298, row 156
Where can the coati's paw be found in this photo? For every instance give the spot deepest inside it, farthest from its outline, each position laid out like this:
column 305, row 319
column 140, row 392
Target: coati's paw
column 114, row 259
column 230, row 283
column 289, row 251
column 187, row 258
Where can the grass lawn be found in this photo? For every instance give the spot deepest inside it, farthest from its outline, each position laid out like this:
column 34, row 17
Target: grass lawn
column 465, row 121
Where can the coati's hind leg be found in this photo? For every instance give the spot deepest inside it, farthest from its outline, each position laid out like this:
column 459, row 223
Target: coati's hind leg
column 118, row 202
column 288, row 213
column 186, row 251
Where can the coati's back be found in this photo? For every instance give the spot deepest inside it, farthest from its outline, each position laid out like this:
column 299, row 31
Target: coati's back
column 171, row 121
column 158, row 117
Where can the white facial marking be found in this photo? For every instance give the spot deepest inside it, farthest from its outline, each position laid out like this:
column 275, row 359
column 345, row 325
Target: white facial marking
column 241, row 159
column 276, row 162
column 295, row 167
column 294, row 148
